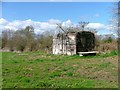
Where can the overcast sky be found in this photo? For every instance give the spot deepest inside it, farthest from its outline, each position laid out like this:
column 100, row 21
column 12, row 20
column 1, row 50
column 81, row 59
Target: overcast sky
column 43, row 15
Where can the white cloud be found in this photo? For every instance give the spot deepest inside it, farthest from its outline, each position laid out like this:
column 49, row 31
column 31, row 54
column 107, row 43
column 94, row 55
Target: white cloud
column 67, row 23
column 50, row 25
column 103, row 29
column 112, row 27
column 39, row 27
column 97, row 26
column 3, row 21
column 54, row 21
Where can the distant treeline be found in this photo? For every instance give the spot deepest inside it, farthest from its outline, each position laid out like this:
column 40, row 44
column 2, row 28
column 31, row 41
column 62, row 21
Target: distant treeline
column 27, row 40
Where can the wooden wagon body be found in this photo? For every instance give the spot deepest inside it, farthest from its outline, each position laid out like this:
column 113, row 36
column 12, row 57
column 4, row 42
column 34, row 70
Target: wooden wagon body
column 73, row 42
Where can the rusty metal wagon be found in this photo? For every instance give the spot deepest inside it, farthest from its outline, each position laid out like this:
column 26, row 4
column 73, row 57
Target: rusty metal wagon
column 70, row 43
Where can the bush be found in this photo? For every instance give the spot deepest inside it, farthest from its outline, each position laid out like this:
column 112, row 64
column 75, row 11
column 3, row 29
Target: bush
column 108, row 40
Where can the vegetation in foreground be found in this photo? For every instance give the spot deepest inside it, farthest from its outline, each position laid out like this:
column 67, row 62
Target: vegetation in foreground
column 39, row 70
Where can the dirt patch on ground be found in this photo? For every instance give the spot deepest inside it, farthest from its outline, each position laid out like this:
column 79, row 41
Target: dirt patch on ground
column 99, row 70
column 113, row 60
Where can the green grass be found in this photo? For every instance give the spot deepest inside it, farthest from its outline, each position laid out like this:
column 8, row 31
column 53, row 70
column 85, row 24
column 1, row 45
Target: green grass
column 40, row 70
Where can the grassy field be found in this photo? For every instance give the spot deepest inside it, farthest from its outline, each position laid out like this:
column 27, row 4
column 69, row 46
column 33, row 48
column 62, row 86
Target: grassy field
column 39, row 70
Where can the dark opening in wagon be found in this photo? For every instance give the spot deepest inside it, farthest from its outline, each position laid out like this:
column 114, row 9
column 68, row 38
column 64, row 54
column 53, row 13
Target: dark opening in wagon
column 85, row 41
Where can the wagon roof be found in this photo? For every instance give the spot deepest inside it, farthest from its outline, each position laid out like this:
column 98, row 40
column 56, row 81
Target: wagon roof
column 71, row 32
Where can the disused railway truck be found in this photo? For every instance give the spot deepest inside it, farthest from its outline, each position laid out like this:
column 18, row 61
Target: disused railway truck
column 71, row 43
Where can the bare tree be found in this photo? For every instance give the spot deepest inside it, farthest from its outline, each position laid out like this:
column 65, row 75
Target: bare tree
column 7, row 36
column 4, row 39
column 24, row 39
column 82, row 25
